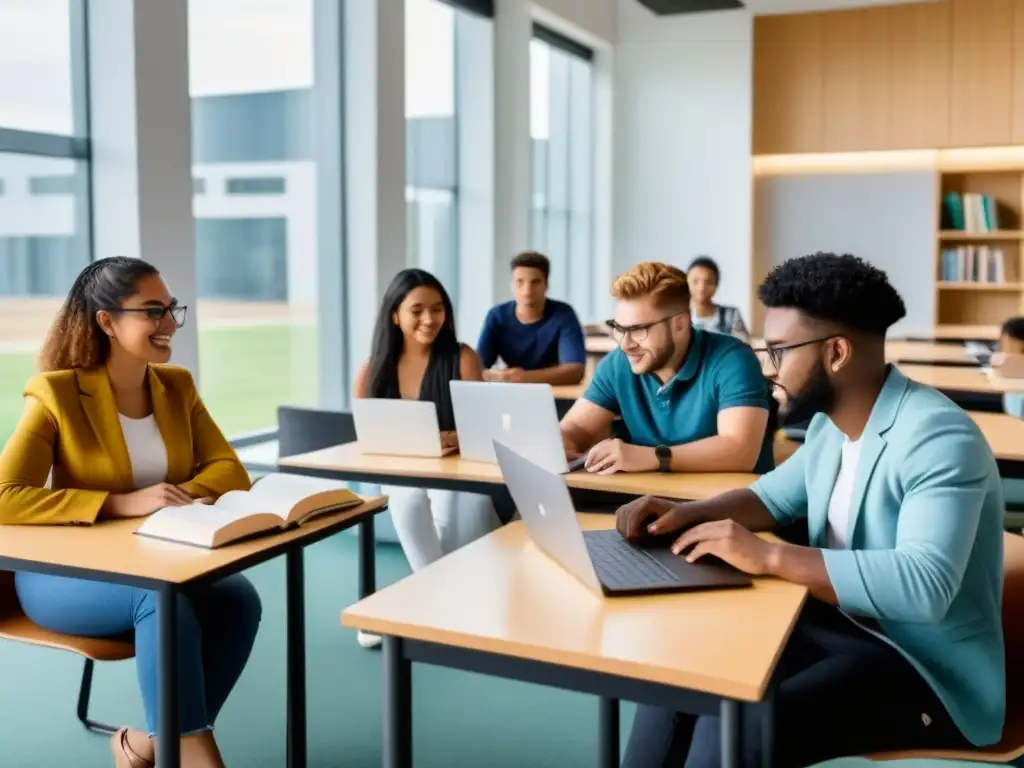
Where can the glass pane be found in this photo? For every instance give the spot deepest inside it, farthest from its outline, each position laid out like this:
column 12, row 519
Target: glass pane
column 44, row 244
column 255, row 202
column 35, row 65
column 431, row 177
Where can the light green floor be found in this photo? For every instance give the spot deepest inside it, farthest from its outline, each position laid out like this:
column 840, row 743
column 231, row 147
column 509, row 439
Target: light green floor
column 460, row 719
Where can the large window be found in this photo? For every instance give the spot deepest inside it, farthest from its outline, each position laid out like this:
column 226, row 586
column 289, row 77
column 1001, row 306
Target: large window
column 44, row 180
column 431, row 171
column 561, row 129
column 255, row 203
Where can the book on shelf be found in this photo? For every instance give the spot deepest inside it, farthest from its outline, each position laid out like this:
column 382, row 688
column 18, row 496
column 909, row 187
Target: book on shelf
column 970, row 212
column 274, row 503
column 973, row 264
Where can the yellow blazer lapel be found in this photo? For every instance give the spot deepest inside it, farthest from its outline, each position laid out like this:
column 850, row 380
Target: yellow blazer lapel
column 172, row 420
column 100, row 408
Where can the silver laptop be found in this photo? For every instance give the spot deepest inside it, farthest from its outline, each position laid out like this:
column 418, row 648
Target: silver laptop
column 397, row 427
column 602, row 560
column 522, row 416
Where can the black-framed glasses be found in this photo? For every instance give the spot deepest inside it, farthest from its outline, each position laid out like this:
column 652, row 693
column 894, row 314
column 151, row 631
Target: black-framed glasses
column 635, row 332
column 156, row 314
column 774, row 355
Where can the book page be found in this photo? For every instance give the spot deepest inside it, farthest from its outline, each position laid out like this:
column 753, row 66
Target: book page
column 194, row 523
column 278, row 493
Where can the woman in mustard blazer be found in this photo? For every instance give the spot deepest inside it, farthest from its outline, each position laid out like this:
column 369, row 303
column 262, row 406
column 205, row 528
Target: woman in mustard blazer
column 121, row 434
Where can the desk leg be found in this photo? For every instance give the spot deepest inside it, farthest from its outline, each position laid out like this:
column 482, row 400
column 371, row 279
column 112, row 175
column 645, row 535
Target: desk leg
column 608, row 754
column 296, row 659
column 168, row 732
column 367, row 558
column 732, row 732
column 768, row 728
column 397, row 706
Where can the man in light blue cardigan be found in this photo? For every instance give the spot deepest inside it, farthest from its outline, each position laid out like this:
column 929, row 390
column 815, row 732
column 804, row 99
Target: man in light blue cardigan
column 901, row 644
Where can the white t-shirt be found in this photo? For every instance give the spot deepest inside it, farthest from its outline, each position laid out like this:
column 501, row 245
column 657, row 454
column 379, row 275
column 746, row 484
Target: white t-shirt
column 146, row 450
column 842, row 495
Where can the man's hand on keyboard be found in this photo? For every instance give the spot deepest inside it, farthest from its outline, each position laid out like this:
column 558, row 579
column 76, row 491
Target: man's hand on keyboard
column 650, row 515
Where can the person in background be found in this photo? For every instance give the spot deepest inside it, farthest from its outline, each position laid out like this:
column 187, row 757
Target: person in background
column 900, row 646
column 125, row 435
column 415, row 355
column 690, row 401
column 1011, row 342
column 540, row 340
column 703, row 276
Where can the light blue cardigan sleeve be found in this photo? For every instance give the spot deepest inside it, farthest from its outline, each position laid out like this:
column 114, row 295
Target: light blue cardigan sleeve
column 783, row 491
column 944, row 478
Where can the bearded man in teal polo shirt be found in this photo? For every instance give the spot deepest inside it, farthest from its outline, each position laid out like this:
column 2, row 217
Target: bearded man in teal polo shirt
column 689, row 400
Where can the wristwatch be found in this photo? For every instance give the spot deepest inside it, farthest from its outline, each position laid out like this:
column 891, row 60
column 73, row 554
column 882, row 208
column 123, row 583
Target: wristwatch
column 664, row 454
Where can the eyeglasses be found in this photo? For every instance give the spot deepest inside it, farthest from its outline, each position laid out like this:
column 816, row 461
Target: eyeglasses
column 156, row 314
column 635, row 332
column 774, row 355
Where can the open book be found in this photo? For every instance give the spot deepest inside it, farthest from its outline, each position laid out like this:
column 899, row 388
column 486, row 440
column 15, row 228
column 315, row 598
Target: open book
column 274, row 503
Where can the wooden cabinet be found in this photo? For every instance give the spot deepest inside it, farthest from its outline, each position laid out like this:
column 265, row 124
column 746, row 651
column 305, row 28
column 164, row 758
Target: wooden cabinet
column 1018, row 74
column 788, row 84
column 920, row 35
column 934, row 74
column 982, row 72
column 855, row 70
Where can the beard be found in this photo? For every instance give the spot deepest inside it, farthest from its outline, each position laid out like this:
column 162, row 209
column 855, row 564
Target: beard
column 817, row 396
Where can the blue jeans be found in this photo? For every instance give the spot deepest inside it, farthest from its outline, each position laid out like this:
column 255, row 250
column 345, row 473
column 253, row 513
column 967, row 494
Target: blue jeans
column 217, row 626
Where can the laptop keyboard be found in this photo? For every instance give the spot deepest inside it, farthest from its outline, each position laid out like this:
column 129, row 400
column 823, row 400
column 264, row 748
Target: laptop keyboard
column 620, row 565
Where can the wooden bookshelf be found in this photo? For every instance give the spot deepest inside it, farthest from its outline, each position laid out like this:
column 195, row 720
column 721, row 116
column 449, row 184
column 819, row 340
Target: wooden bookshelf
column 970, row 289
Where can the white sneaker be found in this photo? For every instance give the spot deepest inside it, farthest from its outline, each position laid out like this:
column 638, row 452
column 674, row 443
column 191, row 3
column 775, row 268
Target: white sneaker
column 368, row 640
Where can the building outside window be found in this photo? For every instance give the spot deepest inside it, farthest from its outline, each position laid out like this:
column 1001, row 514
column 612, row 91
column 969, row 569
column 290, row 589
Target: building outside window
column 431, row 190
column 251, row 67
column 44, row 178
column 561, row 131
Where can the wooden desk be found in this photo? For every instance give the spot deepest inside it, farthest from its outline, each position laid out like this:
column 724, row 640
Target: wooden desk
column 971, row 380
column 345, row 462
column 929, row 353
column 957, row 333
column 110, row 552
column 599, row 346
column 1005, row 436
column 501, row 607
column 570, row 393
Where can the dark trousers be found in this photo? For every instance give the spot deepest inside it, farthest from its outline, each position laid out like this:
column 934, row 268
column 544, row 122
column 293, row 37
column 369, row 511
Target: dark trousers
column 841, row 692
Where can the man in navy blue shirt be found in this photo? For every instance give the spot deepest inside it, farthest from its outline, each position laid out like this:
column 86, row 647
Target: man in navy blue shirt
column 540, row 340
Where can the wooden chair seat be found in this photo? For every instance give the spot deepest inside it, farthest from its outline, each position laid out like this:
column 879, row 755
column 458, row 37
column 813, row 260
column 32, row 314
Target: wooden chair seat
column 15, row 625
column 1011, row 745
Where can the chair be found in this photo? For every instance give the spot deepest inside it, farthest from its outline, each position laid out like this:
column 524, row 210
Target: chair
column 1011, row 746
column 15, row 625
column 301, row 430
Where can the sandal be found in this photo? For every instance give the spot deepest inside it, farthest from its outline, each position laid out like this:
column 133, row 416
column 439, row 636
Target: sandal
column 124, row 755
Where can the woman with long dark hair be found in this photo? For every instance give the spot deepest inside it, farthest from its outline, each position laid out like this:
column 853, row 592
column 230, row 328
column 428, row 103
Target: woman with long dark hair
column 415, row 355
column 121, row 434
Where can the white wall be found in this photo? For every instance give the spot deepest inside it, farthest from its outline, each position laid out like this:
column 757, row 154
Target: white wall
column 885, row 218
column 681, row 139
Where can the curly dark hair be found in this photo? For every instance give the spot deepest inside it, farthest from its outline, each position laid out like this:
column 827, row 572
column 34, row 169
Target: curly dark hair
column 844, row 290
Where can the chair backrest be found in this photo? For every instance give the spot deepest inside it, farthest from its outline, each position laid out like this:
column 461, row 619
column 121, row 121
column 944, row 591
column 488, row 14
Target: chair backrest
column 1013, row 614
column 300, row 430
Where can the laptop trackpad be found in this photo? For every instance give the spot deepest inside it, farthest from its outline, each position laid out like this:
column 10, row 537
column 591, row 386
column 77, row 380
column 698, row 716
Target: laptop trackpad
column 708, row 571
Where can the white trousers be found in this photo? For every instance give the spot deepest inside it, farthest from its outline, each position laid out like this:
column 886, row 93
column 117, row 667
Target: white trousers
column 432, row 523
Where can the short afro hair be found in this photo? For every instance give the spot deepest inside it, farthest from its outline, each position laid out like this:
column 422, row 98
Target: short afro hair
column 844, row 290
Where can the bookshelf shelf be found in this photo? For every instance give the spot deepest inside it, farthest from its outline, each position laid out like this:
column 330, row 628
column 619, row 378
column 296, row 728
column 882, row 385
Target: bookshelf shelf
column 979, row 275
column 962, row 236
column 948, row 285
